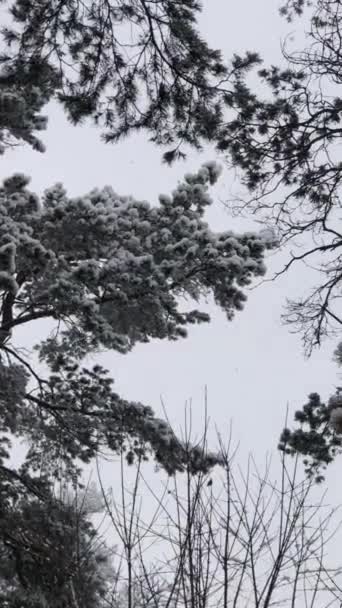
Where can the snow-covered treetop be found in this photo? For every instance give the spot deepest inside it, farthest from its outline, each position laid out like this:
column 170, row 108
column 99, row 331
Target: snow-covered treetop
column 109, row 271
column 113, row 268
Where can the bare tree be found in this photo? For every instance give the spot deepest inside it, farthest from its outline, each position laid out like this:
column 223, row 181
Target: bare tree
column 223, row 538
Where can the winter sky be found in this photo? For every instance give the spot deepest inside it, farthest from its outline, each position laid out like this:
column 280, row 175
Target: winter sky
column 252, row 367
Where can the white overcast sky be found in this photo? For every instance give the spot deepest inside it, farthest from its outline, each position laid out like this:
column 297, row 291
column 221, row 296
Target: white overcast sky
column 253, row 367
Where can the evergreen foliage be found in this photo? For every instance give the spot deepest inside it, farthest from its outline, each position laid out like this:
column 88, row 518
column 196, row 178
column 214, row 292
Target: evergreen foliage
column 130, row 65
column 50, row 556
column 284, row 141
column 108, row 272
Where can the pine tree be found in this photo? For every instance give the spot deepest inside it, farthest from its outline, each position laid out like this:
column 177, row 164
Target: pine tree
column 109, row 272
column 317, row 434
column 51, row 555
column 130, row 65
column 284, row 139
column 106, row 270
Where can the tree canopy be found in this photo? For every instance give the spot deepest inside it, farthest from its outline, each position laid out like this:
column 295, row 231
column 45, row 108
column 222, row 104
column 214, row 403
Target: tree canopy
column 284, row 141
column 314, row 438
column 106, row 270
column 129, row 65
column 51, row 555
column 144, row 65
column 109, row 272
